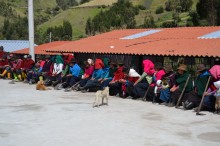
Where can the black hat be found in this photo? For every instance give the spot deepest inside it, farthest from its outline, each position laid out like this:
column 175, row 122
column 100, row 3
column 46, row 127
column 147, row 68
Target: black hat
column 120, row 63
column 200, row 67
column 1, row 48
column 29, row 56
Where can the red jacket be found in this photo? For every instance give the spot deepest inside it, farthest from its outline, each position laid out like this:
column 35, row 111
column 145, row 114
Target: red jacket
column 28, row 64
column 99, row 64
column 20, row 64
column 118, row 74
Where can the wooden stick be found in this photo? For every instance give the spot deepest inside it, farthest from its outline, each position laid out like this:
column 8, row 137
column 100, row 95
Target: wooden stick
column 181, row 95
column 203, row 96
column 144, row 98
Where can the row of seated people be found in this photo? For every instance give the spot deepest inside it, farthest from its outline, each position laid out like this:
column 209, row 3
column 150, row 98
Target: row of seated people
column 157, row 83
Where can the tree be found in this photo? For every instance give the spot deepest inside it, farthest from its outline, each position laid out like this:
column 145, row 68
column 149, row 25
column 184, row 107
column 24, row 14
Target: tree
column 186, row 5
column 149, row 21
column 67, row 31
column 171, row 5
column 120, row 15
column 84, row 1
column 209, row 10
column 88, row 26
column 194, row 19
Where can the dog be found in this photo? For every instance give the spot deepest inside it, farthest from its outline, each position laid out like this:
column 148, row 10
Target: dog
column 40, row 86
column 104, row 94
column 217, row 105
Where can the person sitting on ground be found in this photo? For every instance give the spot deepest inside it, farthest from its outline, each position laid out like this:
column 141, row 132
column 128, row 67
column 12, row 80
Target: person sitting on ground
column 57, row 70
column 46, row 70
column 58, row 83
column 108, row 75
column 3, row 63
column 115, row 86
column 158, row 75
column 195, row 96
column 180, row 81
column 128, row 82
column 96, row 76
column 28, row 65
column 10, row 67
column 33, row 75
column 89, row 69
column 169, row 78
column 74, row 75
column 142, row 84
column 211, row 95
column 16, row 70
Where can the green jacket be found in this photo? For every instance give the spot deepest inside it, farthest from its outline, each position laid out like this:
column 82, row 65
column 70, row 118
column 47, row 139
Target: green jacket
column 66, row 70
column 181, row 80
column 201, row 82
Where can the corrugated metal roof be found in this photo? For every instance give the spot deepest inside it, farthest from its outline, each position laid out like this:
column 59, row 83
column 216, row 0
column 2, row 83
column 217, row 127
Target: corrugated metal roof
column 13, row 45
column 212, row 35
column 181, row 41
column 142, row 34
column 41, row 48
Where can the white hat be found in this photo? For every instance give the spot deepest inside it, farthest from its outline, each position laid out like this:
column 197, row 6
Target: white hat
column 133, row 73
column 90, row 61
column 217, row 84
column 25, row 56
column 159, row 82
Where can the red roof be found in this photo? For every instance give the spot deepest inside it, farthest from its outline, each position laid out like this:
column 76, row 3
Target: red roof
column 41, row 48
column 183, row 41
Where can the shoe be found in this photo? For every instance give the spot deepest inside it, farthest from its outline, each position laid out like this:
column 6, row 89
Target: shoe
column 83, row 91
column 184, row 105
column 54, row 83
column 68, row 89
column 81, row 88
column 58, row 87
column 171, row 104
column 195, row 109
column 164, row 103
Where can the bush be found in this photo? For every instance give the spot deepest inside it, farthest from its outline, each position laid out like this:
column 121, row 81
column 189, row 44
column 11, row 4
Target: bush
column 141, row 7
column 168, row 24
column 159, row 10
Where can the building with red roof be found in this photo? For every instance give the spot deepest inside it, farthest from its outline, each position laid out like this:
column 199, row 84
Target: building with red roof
column 194, row 44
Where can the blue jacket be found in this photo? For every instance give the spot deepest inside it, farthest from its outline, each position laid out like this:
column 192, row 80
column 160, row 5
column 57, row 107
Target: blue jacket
column 75, row 70
column 97, row 74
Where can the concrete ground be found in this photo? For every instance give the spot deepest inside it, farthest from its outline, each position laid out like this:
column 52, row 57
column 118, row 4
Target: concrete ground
column 56, row 118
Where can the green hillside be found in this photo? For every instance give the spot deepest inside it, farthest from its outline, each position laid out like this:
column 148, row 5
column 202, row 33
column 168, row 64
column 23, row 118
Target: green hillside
column 77, row 17
column 49, row 14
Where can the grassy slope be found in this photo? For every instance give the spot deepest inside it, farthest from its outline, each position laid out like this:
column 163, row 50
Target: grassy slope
column 77, row 17
column 98, row 2
column 160, row 18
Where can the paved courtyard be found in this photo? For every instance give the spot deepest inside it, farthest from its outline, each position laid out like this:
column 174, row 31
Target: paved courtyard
column 56, row 118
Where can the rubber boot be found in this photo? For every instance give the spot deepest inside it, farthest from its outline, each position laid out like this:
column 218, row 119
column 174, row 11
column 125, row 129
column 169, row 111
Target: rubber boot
column 4, row 73
column 19, row 77
column 9, row 75
column 15, row 77
column 24, row 76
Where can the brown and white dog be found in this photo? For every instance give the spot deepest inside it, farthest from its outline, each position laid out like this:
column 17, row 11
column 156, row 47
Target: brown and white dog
column 101, row 94
column 40, row 86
